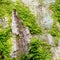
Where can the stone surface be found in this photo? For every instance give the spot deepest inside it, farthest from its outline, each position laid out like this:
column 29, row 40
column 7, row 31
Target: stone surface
column 43, row 15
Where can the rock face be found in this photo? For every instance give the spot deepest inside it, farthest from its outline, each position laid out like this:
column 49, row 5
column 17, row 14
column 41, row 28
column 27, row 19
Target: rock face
column 50, row 39
column 27, row 35
column 40, row 10
column 22, row 36
column 3, row 22
column 14, row 25
column 43, row 18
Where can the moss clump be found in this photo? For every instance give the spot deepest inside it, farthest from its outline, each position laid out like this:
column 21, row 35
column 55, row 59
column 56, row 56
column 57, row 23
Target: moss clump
column 39, row 50
column 55, row 32
column 28, row 18
column 55, row 7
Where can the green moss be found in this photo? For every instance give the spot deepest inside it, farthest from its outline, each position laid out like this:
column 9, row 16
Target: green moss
column 55, row 7
column 55, row 32
column 28, row 18
column 24, row 14
column 5, row 42
column 39, row 50
column 56, row 41
column 6, row 7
